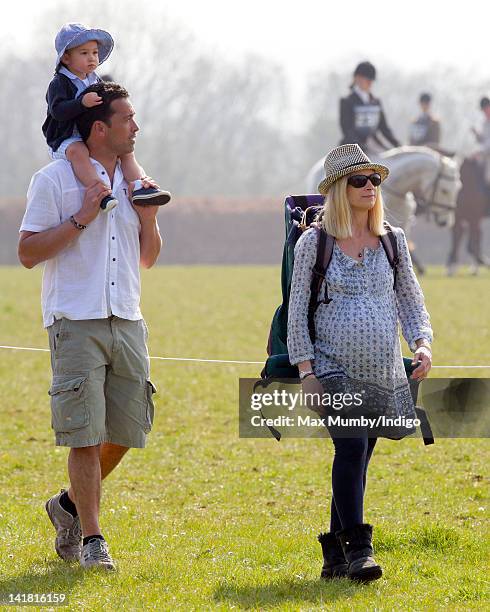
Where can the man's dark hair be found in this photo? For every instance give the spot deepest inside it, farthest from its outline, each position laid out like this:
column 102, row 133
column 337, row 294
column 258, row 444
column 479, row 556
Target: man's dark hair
column 109, row 92
column 425, row 98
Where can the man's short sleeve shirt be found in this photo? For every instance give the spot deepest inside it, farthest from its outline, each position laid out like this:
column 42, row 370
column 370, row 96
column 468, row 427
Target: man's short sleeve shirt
column 97, row 274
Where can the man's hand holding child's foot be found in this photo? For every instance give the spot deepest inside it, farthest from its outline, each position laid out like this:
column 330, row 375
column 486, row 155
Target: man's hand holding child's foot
column 145, row 192
column 95, row 196
column 109, row 201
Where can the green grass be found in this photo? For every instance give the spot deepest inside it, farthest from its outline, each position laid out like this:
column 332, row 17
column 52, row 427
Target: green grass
column 201, row 519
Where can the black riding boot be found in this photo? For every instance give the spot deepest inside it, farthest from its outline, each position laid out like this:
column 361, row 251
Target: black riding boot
column 334, row 563
column 358, row 550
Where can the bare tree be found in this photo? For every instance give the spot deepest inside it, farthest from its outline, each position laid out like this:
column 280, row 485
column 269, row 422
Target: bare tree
column 455, row 100
column 207, row 126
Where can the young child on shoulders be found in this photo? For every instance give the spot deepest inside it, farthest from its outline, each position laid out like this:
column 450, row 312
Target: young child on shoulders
column 80, row 51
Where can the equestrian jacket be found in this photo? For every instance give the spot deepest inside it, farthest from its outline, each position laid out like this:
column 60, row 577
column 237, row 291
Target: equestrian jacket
column 361, row 121
column 425, row 130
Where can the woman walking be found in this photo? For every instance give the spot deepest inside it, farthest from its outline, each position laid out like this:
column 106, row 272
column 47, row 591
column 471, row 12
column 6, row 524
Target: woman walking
column 357, row 347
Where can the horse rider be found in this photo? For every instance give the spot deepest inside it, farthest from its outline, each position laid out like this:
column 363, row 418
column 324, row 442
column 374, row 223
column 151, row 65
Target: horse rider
column 426, row 129
column 483, row 138
column 362, row 119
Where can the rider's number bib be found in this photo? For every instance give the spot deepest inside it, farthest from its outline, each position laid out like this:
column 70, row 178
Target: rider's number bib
column 367, row 116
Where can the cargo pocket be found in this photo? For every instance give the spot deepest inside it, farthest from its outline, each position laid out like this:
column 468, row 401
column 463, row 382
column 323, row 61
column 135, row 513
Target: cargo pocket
column 150, row 406
column 68, row 403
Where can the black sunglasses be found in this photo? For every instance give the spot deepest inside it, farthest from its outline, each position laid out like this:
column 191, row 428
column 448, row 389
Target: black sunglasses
column 360, row 180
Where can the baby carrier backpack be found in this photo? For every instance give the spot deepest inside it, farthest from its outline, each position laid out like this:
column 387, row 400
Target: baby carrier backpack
column 301, row 212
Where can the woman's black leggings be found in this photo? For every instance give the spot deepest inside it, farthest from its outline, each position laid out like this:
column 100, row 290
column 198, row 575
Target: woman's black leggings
column 349, row 470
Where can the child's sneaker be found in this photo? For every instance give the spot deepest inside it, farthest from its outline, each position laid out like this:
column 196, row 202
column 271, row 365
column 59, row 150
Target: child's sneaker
column 108, row 203
column 149, row 196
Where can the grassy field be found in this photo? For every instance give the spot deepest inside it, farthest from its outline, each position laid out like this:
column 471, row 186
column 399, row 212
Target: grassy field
column 204, row 520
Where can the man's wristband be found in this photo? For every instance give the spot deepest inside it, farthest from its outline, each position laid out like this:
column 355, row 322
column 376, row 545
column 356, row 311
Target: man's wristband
column 79, row 226
column 303, row 375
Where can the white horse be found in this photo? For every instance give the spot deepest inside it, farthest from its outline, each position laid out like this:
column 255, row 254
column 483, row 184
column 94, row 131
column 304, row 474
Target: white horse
column 420, row 178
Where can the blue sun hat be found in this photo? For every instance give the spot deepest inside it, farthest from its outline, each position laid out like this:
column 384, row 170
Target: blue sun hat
column 75, row 34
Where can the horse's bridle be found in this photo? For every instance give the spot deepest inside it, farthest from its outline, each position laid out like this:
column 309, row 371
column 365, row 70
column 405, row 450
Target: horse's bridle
column 427, row 205
column 432, row 203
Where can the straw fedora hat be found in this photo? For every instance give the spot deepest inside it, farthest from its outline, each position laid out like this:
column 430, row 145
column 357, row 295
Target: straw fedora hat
column 344, row 160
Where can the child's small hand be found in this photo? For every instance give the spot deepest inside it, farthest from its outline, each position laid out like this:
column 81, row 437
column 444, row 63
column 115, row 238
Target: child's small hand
column 91, row 99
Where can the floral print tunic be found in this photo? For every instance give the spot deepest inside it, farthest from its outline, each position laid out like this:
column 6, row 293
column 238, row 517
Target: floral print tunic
column 357, row 341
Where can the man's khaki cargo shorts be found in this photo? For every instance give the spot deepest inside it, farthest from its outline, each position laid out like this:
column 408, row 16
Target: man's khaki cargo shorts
column 101, row 391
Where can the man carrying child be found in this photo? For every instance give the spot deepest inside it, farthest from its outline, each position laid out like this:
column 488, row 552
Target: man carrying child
column 101, row 394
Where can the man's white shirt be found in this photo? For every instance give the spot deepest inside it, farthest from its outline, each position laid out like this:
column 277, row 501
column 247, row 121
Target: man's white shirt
column 97, row 274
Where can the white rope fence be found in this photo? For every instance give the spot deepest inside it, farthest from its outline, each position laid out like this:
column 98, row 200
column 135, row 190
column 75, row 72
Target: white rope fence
column 236, row 361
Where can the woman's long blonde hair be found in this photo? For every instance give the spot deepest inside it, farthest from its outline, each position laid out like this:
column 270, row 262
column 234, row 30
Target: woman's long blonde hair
column 337, row 217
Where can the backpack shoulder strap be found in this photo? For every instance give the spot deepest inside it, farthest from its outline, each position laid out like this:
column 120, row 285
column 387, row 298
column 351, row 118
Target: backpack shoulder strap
column 390, row 246
column 324, row 250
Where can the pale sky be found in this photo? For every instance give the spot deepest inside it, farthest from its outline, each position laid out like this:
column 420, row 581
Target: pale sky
column 308, row 34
